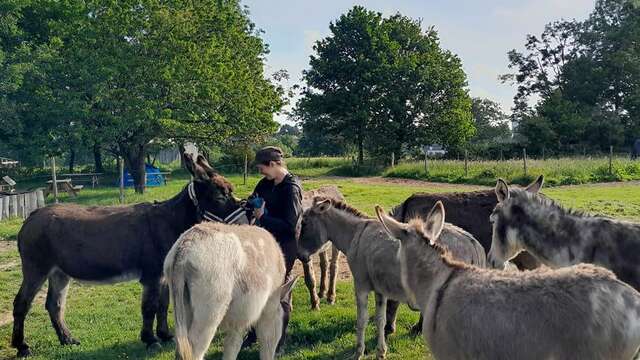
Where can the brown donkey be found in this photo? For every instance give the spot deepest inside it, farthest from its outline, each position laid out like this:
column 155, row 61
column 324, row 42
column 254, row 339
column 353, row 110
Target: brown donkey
column 582, row 312
column 113, row 244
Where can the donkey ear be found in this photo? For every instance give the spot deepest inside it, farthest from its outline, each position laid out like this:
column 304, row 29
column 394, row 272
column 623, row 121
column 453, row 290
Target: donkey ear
column 535, row 186
column 202, row 161
column 321, row 205
column 196, row 170
column 502, row 190
column 287, row 288
column 391, row 226
column 435, row 222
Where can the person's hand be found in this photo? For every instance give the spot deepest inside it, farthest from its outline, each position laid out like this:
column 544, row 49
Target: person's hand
column 257, row 213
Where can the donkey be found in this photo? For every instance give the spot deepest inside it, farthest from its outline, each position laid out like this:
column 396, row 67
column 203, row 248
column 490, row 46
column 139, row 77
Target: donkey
column 114, row 244
column 372, row 257
column 580, row 312
column 526, row 220
column 468, row 210
column 329, row 273
column 228, row 276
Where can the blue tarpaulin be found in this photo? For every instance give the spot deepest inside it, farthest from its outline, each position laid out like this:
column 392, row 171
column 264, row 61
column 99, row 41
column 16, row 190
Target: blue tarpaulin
column 154, row 178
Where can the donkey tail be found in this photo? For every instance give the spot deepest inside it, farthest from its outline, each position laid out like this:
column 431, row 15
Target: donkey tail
column 181, row 306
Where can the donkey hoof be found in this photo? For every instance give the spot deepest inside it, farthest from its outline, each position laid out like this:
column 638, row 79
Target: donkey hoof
column 69, row 341
column 315, row 306
column 388, row 330
column 154, row 347
column 165, row 337
column 322, row 294
column 23, row 351
column 331, row 300
column 415, row 330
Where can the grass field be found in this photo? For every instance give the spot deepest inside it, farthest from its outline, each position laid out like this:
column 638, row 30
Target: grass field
column 106, row 319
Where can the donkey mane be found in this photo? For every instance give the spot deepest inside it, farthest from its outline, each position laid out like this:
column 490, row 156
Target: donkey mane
column 544, row 201
column 444, row 253
column 222, row 182
column 341, row 205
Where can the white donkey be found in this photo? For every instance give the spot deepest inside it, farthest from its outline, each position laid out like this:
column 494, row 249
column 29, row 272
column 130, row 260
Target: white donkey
column 227, row 276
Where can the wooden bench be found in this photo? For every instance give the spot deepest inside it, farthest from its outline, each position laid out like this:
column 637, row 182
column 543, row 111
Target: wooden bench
column 9, row 184
column 92, row 178
column 63, row 185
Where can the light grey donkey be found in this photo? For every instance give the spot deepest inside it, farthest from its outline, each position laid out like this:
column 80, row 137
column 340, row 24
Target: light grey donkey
column 527, row 220
column 372, row 257
column 581, row 312
column 227, row 276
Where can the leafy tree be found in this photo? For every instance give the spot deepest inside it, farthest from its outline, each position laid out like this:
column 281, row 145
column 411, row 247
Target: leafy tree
column 384, row 84
column 131, row 72
column 491, row 122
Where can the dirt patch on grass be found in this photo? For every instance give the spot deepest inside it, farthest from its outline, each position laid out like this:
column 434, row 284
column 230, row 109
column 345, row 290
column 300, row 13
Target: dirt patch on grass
column 379, row 180
column 343, row 268
column 8, row 246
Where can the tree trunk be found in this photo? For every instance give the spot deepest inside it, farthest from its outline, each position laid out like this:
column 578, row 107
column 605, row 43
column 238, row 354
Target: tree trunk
column 134, row 159
column 97, row 158
column 360, row 150
column 72, row 160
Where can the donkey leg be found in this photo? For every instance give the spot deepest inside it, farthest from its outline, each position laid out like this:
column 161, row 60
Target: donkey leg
column 417, row 328
column 310, row 281
column 232, row 344
column 362, row 300
column 208, row 311
column 162, row 326
column 392, row 312
column 33, row 276
column 55, row 305
column 381, row 319
column 150, row 305
column 333, row 274
column 323, row 273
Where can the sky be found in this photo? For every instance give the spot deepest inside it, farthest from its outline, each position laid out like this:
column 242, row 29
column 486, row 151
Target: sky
column 479, row 32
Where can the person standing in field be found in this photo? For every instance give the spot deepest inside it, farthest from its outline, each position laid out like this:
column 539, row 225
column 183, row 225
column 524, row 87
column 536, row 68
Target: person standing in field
column 278, row 196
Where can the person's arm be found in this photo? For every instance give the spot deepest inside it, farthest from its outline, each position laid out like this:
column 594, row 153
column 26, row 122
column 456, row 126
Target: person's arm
column 293, row 208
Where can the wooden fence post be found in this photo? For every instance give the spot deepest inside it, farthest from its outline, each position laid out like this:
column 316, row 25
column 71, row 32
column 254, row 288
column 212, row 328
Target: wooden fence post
column 611, row 160
column 466, row 163
column 246, row 169
column 393, row 159
column 121, row 171
column 426, row 164
column 524, row 159
column 54, row 182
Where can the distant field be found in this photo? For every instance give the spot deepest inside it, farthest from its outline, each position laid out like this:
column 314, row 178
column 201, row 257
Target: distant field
column 563, row 171
column 106, row 319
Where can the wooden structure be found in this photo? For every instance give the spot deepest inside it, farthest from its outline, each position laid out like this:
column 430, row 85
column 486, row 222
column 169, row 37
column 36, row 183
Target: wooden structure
column 93, row 178
column 62, row 185
column 7, row 184
column 20, row 204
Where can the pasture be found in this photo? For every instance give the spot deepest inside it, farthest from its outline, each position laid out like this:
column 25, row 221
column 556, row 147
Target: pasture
column 106, row 319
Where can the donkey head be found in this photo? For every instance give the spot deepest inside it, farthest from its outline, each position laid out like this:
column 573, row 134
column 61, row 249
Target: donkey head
column 418, row 245
column 213, row 193
column 508, row 213
column 313, row 232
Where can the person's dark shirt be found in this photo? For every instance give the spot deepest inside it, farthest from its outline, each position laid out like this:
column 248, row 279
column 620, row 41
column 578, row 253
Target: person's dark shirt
column 283, row 205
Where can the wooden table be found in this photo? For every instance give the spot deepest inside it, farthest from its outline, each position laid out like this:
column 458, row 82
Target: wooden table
column 63, row 185
column 95, row 177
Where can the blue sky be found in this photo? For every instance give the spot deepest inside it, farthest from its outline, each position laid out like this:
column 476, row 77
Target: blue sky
column 479, row 32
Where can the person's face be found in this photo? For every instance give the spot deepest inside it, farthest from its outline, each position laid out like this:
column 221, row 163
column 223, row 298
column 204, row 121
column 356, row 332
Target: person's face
column 268, row 171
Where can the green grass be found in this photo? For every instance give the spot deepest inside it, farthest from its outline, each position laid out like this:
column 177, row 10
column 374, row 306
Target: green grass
column 106, row 319
column 565, row 171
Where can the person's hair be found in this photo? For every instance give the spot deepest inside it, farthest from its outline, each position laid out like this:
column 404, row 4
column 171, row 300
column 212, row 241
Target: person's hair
column 270, row 153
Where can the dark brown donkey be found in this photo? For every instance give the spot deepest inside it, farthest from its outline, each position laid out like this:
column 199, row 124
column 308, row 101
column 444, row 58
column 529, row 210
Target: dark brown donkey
column 114, row 244
column 467, row 210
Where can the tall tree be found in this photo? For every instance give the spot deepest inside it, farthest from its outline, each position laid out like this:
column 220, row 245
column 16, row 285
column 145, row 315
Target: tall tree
column 380, row 78
column 491, row 122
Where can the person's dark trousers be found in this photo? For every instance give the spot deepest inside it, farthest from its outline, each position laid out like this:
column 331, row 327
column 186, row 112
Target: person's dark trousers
column 290, row 252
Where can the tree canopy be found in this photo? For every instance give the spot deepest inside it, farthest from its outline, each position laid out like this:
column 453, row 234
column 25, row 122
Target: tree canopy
column 385, row 85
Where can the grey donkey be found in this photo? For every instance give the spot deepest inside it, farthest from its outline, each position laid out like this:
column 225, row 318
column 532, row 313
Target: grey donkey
column 228, row 276
column 328, row 268
column 527, row 220
column 372, row 257
column 581, row 312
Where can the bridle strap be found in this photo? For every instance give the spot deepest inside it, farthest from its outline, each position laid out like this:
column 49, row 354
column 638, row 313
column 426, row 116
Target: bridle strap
column 232, row 218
